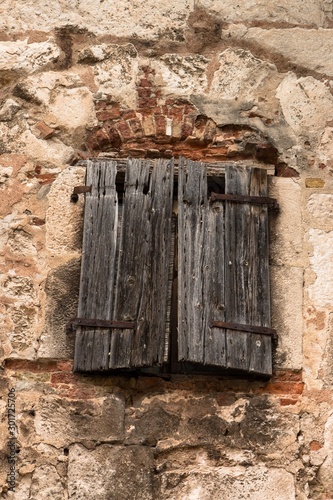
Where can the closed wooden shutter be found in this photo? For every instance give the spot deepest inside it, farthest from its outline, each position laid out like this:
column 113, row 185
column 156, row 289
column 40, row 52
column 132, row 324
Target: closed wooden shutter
column 125, row 269
column 223, row 295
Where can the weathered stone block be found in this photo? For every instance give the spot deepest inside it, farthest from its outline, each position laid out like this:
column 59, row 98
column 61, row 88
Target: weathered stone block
column 286, row 235
column 115, row 70
column 229, row 483
column 272, row 11
column 320, row 208
column 61, row 289
column 60, row 422
column 110, row 473
column 287, row 303
column 181, row 75
column 294, row 44
column 151, row 426
column 46, row 482
column 125, row 19
column 64, row 220
column 321, row 262
column 21, row 56
column 307, row 104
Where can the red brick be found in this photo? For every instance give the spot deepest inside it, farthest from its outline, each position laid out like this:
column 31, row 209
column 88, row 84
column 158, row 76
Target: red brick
column 65, row 366
column 160, row 122
column 44, row 130
column 124, row 130
column 136, row 127
column 46, row 178
column 30, row 366
column 128, row 114
column 288, row 376
column 147, row 103
column 97, row 139
column 282, row 388
column 145, row 83
column 190, row 110
column 144, row 92
column 176, row 112
column 63, row 378
column 315, row 446
column 108, row 114
column 287, row 401
column 100, row 105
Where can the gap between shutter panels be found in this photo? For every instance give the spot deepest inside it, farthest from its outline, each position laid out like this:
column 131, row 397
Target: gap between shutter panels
column 201, row 294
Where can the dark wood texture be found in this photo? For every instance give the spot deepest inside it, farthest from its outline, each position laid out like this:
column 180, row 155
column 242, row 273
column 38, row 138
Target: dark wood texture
column 223, row 272
column 92, row 345
column 200, row 268
column 142, row 287
column 125, row 269
column 246, row 272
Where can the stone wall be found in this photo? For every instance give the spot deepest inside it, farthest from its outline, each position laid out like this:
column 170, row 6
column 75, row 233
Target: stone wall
column 209, row 80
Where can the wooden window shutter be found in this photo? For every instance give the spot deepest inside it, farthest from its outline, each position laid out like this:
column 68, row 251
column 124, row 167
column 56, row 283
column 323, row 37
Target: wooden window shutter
column 223, row 294
column 125, row 271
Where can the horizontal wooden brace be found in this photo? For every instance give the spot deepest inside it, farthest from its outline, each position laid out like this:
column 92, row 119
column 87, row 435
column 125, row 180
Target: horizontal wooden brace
column 236, row 198
column 261, row 330
column 99, row 323
column 217, row 168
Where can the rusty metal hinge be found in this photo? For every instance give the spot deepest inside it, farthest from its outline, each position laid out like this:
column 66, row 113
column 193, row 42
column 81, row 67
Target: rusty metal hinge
column 261, row 330
column 79, row 190
column 237, row 198
column 99, row 323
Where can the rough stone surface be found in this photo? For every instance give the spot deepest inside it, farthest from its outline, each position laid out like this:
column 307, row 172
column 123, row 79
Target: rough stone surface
column 89, row 421
column 129, row 18
column 229, row 483
column 322, row 265
column 306, row 103
column 110, row 472
column 20, row 56
column 297, row 45
column 272, row 11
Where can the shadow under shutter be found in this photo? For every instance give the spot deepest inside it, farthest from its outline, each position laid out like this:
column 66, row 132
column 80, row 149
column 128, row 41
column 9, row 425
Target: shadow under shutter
column 223, row 293
column 125, row 268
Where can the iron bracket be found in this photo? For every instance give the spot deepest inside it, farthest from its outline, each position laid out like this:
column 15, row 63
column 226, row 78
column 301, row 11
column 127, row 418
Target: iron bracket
column 255, row 200
column 99, row 323
column 261, row 330
column 79, row 190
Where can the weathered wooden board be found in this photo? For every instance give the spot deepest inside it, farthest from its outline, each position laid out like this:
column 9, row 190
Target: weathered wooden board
column 142, row 286
column 97, row 267
column 200, row 269
column 126, row 266
column 247, row 298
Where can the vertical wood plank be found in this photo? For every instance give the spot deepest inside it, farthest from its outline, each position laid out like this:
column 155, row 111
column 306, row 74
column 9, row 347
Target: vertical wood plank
column 143, row 266
column 215, row 338
column 192, row 206
column 246, row 271
column 201, row 269
column 97, row 266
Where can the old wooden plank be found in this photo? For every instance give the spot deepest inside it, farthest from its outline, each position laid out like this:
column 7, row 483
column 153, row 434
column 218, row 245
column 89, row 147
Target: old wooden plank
column 97, row 266
column 215, row 338
column 200, row 268
column 213, row 168
column 246, row 270
column 192, row 206
column 143, row 267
